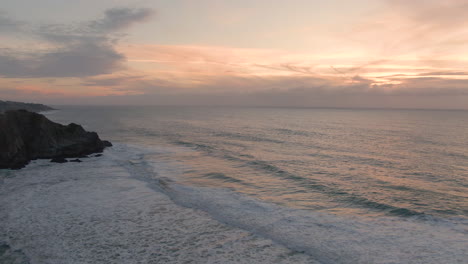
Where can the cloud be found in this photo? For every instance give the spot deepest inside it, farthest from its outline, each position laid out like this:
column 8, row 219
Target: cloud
column 9, row 25
column 423, row 28
column 86, row 59
column 120, row 18
column 76, row 50
column 110, row 81
column 445, row 73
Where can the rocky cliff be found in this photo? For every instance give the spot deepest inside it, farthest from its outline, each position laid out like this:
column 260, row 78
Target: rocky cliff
column 26, row 136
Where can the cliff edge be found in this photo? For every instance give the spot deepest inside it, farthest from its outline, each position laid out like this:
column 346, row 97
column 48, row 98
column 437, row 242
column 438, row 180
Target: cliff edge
column 25, row 136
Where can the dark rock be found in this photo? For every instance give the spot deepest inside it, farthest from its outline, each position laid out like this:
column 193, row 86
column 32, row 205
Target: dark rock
column 98, row 155
column 106, row 143
column 8, row 255
column 25, row 136
column 59, row 160
column 75, row 160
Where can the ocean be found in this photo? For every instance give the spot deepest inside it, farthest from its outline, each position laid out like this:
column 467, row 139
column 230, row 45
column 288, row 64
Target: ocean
column 339, row 185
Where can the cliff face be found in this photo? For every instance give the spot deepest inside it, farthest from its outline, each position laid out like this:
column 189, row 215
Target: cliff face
column 8, row 105
column 25, row 136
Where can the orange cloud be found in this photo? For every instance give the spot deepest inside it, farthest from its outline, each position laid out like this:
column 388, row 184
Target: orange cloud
column 198, row 65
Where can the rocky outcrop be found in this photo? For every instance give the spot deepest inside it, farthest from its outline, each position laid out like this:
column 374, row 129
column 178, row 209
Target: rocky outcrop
column 9, row 105
column 26, row 136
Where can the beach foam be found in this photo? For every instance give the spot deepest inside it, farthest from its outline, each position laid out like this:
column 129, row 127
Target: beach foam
column 96, row 212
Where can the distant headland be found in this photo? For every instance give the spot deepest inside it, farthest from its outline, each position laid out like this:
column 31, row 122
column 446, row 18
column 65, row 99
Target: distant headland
column 9, row 105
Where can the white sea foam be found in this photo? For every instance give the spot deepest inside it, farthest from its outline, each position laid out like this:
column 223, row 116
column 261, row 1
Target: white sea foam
column 96, row 212
column 335, row 239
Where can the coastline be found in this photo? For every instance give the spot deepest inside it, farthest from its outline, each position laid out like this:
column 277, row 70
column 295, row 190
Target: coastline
column 77, row 213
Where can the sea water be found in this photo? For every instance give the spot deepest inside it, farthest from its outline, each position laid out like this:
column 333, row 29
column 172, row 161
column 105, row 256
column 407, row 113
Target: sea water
column 341, row 185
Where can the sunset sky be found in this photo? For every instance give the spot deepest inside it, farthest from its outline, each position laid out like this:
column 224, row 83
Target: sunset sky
column 300, row 53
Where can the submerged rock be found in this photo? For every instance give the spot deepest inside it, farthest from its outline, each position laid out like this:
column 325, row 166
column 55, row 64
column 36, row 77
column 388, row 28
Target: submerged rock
column 25, row 136
column 75, row 160
column 59, row 160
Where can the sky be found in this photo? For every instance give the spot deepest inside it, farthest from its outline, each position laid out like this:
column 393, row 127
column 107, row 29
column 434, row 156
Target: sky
column 295, row 53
